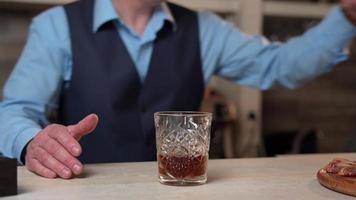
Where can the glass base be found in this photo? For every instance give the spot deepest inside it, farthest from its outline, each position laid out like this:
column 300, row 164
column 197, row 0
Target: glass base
column 167, row 180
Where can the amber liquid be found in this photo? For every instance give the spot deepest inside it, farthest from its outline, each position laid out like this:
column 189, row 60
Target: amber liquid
column 182, row 167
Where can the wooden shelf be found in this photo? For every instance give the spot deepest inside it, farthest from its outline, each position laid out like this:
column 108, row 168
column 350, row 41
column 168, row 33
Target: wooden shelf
column 295, row 9
column 225, row 6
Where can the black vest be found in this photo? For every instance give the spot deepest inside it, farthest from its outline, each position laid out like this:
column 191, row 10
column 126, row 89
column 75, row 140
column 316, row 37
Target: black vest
column 105, row 81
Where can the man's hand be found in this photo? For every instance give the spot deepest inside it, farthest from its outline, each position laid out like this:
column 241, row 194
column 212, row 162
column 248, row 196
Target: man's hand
column 349, row 7
column 53, row 151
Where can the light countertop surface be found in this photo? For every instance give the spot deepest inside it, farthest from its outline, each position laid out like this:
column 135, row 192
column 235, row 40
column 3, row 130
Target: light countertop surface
column 285, row 177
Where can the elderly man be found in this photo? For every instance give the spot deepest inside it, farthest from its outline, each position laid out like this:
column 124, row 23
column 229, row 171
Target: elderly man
column 126, row 59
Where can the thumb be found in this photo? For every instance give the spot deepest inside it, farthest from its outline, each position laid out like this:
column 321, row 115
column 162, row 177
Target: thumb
column 84, row 127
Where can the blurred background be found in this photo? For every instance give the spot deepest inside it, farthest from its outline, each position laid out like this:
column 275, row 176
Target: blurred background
column 319, row 117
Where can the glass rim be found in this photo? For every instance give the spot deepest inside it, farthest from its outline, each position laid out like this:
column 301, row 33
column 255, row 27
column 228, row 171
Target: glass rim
column 183, row 113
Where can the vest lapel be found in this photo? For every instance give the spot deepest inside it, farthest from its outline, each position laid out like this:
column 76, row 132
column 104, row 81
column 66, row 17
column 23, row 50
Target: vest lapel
column 119, row 66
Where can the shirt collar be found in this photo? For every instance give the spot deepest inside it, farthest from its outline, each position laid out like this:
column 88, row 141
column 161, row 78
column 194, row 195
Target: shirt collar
column 104, row 11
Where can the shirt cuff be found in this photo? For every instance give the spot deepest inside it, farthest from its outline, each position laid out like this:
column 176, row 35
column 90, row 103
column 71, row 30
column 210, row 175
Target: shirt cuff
column 22, row 139
column 336, row 29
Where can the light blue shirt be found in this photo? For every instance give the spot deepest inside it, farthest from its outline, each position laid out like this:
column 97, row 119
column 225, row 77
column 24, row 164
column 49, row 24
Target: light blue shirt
column 33, row 89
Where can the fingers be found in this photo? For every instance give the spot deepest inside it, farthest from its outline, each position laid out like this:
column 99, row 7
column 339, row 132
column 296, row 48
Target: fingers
column 51, row 163
column 62, row 136
column 36, row 167
column 57, row 151
column 52, row 153
column 84, row 127
column 54, row 150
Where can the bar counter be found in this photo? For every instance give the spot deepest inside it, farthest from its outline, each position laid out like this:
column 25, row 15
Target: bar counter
column 284, row 177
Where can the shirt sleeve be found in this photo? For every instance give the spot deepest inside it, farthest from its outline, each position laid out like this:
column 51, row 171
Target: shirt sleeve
column 32, row 90
column 254, row 61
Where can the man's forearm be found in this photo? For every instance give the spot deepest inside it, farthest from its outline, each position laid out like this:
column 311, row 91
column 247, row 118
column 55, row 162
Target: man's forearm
column 17, row 128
